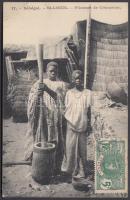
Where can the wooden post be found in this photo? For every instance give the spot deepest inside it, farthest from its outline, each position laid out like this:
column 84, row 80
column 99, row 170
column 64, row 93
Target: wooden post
column 40, row 131
column 10, row 68
column 87, row 48
column 39, row 51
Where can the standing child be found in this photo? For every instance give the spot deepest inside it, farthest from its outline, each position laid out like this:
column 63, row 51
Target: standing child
column 77, row 103
column 52, row 90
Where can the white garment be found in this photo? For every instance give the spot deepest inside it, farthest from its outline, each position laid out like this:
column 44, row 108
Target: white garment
column 77, row 103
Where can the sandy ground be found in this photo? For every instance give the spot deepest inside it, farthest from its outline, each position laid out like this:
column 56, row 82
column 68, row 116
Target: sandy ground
column 17, row 180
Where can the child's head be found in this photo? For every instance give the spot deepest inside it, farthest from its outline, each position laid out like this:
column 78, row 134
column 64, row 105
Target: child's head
column 52, row 70
column 77, row 77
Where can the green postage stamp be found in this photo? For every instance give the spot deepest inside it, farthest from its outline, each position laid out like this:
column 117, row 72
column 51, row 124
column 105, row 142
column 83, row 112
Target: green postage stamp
column 111, row 166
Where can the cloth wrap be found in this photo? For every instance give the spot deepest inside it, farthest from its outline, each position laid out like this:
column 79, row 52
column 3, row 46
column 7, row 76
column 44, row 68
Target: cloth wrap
column 52, row 118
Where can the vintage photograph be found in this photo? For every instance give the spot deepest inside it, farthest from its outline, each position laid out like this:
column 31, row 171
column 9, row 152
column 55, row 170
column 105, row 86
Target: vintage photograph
column 65, row 100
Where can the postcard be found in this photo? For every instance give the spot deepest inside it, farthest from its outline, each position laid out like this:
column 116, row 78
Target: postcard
column 65, row 99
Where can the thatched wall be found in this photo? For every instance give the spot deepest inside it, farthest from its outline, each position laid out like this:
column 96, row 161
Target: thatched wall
column 15, row 54
column 18, row 90
column 108, row 53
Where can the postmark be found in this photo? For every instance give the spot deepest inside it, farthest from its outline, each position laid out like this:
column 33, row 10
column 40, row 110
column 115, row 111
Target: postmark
column 111, row 166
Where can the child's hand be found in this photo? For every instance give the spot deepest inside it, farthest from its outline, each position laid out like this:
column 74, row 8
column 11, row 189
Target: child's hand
column 41, row 88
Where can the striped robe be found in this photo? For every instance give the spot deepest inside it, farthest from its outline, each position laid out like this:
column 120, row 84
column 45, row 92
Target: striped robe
column 52, row 119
